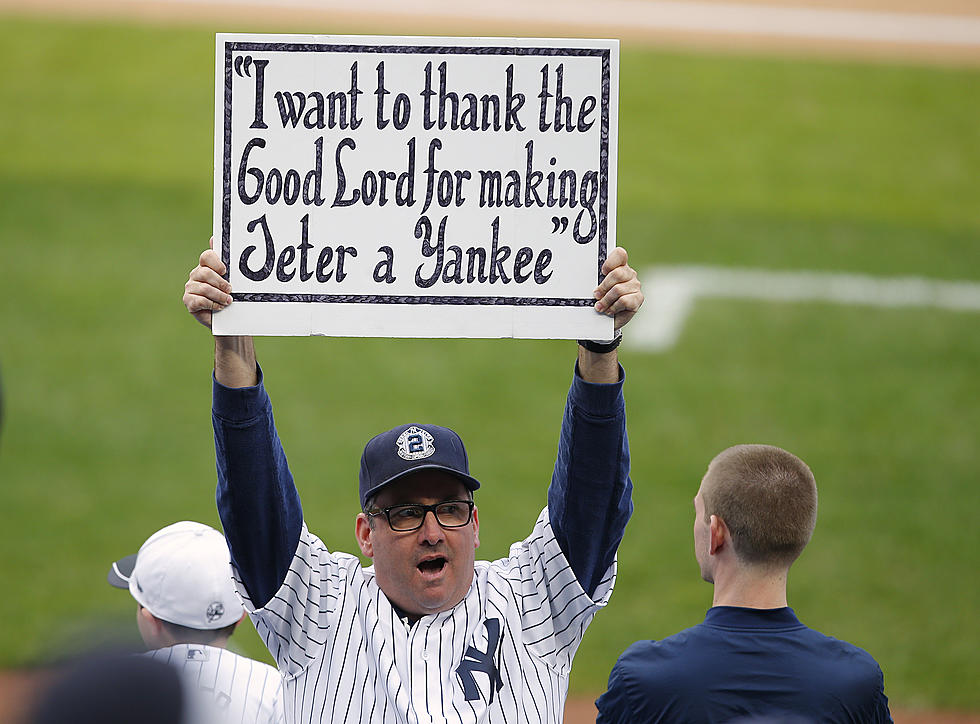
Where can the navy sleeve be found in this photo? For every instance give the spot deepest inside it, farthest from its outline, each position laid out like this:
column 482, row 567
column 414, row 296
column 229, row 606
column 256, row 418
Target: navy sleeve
column 882, row 715
column 614, row 706
column 257, row 500
column 590, row 497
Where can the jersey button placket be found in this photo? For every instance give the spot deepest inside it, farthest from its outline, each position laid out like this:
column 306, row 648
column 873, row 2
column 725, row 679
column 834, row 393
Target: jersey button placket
column 417, row 646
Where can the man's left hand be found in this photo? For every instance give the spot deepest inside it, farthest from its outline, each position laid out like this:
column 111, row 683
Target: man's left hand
column 620, row 294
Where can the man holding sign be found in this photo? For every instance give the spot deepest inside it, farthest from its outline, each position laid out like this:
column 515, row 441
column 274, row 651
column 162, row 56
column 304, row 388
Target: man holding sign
column 426, row 633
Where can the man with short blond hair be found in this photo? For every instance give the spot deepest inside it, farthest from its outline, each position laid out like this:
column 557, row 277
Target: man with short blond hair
column 751, row 659
column 772, row 519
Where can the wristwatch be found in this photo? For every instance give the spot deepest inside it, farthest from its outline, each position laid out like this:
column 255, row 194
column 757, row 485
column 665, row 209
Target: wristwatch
column 602, row 347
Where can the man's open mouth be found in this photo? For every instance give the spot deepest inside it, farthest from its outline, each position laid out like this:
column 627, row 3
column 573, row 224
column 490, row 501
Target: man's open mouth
column 432, row 565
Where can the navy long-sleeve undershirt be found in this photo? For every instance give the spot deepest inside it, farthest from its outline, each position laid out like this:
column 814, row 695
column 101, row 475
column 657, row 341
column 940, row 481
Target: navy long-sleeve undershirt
column 589, row 499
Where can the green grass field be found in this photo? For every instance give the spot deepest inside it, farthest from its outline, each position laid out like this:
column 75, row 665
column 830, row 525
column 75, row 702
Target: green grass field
column 105, row 196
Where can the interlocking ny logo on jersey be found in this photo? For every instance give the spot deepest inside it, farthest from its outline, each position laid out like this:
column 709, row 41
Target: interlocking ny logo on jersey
column 415, row 444
column 476, row 660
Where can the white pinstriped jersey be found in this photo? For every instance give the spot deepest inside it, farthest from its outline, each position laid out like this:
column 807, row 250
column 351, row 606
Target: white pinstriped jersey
column 223, row 687
column 503, row 654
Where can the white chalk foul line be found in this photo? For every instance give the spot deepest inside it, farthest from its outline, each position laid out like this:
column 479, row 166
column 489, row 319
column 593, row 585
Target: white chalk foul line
column 672, row 291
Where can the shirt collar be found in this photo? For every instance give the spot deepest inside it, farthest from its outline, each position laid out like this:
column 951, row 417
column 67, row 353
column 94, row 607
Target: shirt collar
column 758, row 618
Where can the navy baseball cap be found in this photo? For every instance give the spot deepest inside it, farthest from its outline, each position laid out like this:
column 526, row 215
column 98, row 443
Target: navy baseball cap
column 409, row 448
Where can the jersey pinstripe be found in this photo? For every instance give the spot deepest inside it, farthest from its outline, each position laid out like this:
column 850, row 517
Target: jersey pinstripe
column 223, row 687
column 503, row 654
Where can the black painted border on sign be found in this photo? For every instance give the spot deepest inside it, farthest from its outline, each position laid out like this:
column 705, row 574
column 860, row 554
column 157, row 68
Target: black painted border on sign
column 249, row 46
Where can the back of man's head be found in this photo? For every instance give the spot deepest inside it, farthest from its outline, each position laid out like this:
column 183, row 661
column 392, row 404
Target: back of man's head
column 767, row 498
column 182, row 577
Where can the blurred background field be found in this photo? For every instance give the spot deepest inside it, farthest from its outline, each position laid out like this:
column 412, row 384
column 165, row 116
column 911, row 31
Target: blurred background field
column 727, row 159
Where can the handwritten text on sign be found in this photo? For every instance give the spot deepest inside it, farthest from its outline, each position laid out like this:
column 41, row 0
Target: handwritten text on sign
column 414, row 186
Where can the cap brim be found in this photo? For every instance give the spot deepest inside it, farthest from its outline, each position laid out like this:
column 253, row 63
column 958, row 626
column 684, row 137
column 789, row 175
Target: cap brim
column 121, row 571
column 470, row 482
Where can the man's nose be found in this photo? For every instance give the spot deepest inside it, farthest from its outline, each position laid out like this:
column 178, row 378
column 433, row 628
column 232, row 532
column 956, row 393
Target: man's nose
column 431, row 531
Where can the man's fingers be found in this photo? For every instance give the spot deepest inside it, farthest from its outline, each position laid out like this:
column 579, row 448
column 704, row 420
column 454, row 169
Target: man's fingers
column 626, row 307
column 617, row 257
column 201, row 307
column 204, row 275
column 196, row 304
column 617, row 291
column 621, row 296
column 616, row 270
column 618, row 275
column 206, row 290
column 620, row 293
column 211, row 260
column 201, row 290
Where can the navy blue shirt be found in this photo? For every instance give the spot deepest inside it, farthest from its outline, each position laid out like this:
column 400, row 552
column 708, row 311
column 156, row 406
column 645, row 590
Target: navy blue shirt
column 745, row 664
column 589, row 499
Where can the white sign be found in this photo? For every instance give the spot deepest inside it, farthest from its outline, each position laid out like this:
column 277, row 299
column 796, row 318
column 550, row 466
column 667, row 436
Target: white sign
column 414, row 187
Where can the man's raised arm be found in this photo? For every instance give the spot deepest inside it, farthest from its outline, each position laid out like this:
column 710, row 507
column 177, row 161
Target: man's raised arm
column 257, row 500
column 590, row 497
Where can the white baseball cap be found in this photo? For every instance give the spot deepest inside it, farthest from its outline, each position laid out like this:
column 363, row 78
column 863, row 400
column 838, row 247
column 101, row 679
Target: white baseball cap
column 182, row 574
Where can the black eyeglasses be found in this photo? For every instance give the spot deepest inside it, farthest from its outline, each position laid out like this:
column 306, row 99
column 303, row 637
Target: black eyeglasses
column 411, row 516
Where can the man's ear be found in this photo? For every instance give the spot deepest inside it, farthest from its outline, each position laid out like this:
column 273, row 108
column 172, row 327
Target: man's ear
column 719, row 535
column 148, row 618
column 476, row 528
column 151, row 629
column 362, row 531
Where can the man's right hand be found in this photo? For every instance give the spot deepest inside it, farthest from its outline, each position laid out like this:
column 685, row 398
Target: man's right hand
column 206, row 291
